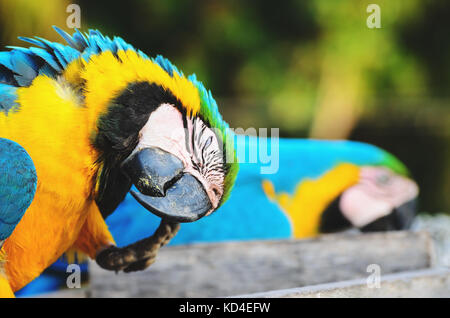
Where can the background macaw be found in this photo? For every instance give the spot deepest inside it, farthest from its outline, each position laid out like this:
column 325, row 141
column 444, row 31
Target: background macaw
column 97, row 116
column 302, row 199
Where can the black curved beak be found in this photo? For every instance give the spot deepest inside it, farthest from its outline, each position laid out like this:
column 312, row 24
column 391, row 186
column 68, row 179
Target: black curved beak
column 163, row 188
column 400, row 219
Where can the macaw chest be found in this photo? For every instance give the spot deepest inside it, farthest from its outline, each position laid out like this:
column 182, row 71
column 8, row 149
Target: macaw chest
column 48, row 228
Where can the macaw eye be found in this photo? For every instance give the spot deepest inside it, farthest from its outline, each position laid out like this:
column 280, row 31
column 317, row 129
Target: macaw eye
column 383, row 179
column 208, row 142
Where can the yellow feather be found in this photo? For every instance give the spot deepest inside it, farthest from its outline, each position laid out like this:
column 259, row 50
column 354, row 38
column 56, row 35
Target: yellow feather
column 311, row 197
column 73, row 256
column 5, row 288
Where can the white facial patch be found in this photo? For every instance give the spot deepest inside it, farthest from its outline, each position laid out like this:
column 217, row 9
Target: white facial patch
column 377, row 194
column 164, row 129
column 195, row 144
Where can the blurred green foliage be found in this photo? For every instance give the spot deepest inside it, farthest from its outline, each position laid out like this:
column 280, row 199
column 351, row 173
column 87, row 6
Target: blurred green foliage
column 311, row 68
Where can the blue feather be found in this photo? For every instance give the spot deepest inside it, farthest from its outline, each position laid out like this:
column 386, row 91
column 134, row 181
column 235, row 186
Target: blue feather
column 67, row 38
column 5, row 60
column 47, row 57
column 166, row 65
column 17, row 185
column 8, row 98
column 32, row 41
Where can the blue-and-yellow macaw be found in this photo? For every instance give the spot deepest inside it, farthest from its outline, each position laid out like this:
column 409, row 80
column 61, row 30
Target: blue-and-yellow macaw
column 97, row 116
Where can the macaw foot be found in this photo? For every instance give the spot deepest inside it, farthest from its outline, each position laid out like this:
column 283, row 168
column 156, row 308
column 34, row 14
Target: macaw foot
column 140, row 255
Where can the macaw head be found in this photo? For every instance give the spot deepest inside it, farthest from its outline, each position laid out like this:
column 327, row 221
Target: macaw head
column 381, row 200
column 152, row 127
column 175, row 159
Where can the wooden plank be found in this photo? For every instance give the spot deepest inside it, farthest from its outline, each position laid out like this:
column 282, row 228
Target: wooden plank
column 224, row 269
column 422, row 283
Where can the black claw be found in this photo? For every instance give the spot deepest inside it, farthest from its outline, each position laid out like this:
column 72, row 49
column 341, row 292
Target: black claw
column 139, row 265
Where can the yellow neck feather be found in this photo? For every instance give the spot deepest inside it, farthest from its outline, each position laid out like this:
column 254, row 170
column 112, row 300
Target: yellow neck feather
column 310, row 198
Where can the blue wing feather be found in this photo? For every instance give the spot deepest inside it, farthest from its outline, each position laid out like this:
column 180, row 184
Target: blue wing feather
column 18, row 182
column 20, row 66
column 7, row 98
